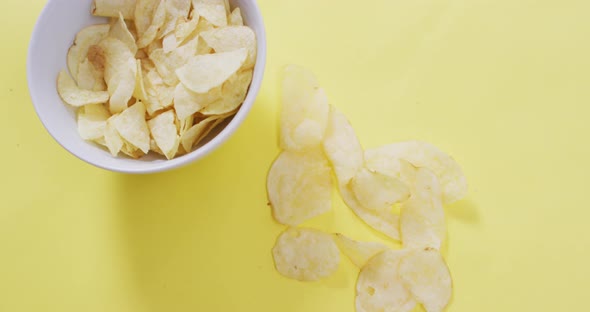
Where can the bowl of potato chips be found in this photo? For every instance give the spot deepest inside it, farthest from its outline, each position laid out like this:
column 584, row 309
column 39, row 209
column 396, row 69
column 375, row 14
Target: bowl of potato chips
column 143, row 86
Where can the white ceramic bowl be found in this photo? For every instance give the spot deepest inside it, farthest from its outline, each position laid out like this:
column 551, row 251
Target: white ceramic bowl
column 53, row 35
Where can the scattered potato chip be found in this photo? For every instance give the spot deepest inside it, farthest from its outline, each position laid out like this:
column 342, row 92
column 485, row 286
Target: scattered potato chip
column 305, row 254
column 164, row 132
column 205, row 72
column 147, row 37
column 120, row 31
column 426, row 275
column 213, row 11
column 92, row 120
column 234, row 93
column 299, row 186
column 359, row 253
column 132, row 127
column 232, row 38
column 90, row 78
column 113, row 140
column 343, row 147
column 120, row 73
column 235, row 18
column 422, row 219
column 376, row 191
column 421, row 154
column 86, row 38
column 379, row 287
column 75, row 96
column 304, row 112
column 112, row 8
column 187, row 102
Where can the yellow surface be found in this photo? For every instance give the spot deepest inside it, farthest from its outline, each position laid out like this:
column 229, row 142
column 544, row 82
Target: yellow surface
column 502, row 85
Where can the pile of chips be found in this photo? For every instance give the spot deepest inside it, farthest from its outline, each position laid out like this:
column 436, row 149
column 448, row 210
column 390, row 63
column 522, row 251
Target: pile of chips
column 316, row 141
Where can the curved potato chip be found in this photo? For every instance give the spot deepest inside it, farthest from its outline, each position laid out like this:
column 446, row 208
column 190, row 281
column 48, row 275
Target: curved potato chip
column 92, row 120
column 379, row 287
column 150, row 34
column 113, row 140
column 305, row 254
column 168, row 63
column 235, row 18
column 342, row 147
column 359, row 253
column 112, row 8
column 299, row 186
column 120, row 31
column 120, row 73
column 187, row 102
column 197, row 132
column 175, row 10
column 184, row 29
column 422, row 154
column 234, row 93
column 132, row 127
column 144, row 13
column 385, row 222
column 90, row 78
column 75, row 96
column 304, row 111
column 212, row 10
column 232, row 38
column 160, row 95
column 86, row 38
column 422, row 218
column 140, row 92
column 164, row 132
column 131, row 151
column 205, row 72
column 376, row 191
column 426, row 275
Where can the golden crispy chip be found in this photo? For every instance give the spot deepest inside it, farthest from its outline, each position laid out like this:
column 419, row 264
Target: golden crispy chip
column 234, row 93
column 120, row 73
column 160, row 95
column 132, row 127
column 343, row 147
column 199, row 131
column 92, row 120
column 140, row 92
column 305, row 254
column 212, row 10
column 131, row 151
column 232, row 38
column 120, row 31
column 150, row 34
column 376, row 191
column 113, row 140
column 187, row 102
column 205, row 72
column 235, row 18
column 168, row 63
column 299, row 186
column 86, row 38
column 422, row 219
column 379, row 287
column 421, row 154
column 90, row 78
column 75, row 96
column 145, row 11
column 426, row 275
column 304, row 112
column 184, row 29
column 164, row 132
column 175, row 10
column 359, row 253
column 111, row 8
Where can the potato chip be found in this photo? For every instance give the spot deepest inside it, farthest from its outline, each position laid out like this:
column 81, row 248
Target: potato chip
column 426, row 275
column 376, row 191
column 379, row 287
column 359, row 253
column 160, row 95
column 132, row 127
column 131, row 151
column 299, row 186
column 75, row 96
column 175, row 10
column 383, row 221
column 120, row 73
column 89, row 78
column 113, row 140
column 235, row 18
column 421, row 154
column 305, row 254
column 234, row 93
column 168, row 63
column 232, row 38
column 92, row 120
column 187, row 102
column 164, row 132
column 184, row 29
column 199, row 131
column 120, row 31
column 86, row 38
column 112, row 8
column 304, row 112
column 343, row 147
column 212, row 10
column 145, row 11
column 422, row 219
column 205, row 72
column 140, row 92
column 151, row 32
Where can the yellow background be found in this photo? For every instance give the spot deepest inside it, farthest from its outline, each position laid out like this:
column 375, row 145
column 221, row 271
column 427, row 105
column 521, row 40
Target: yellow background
column 502, row 85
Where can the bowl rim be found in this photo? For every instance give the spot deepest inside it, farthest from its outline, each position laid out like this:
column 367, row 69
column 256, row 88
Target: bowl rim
column 181, row 161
